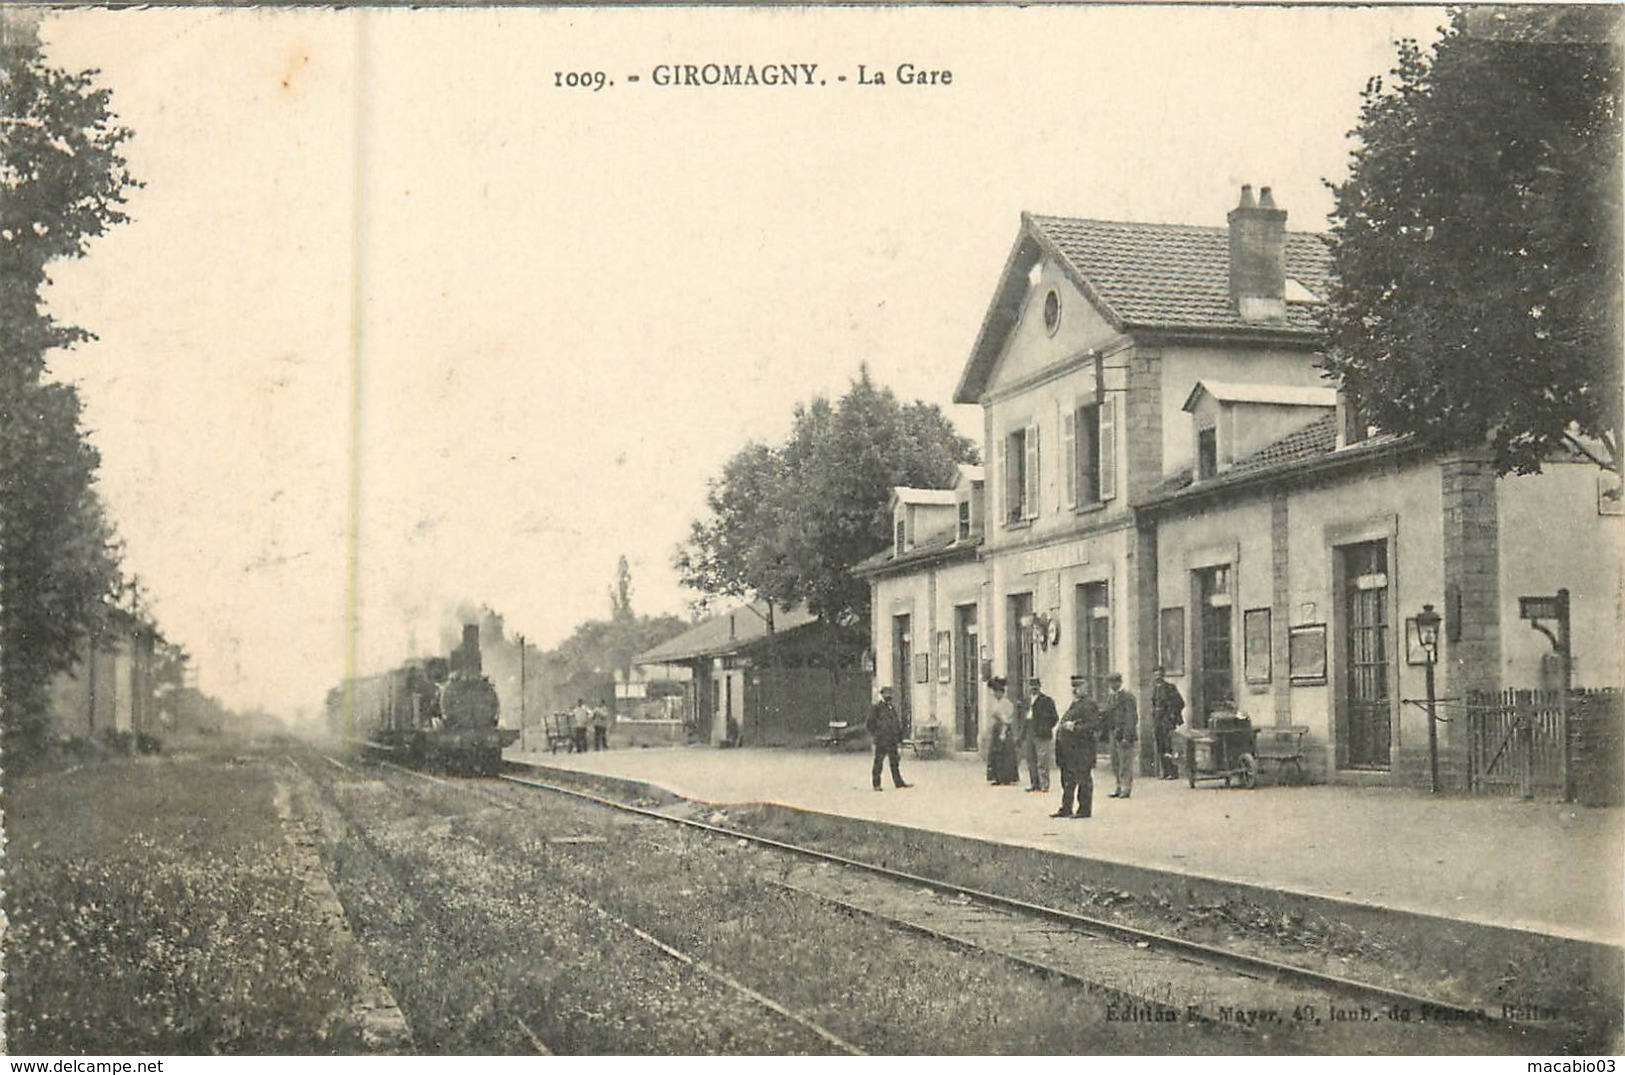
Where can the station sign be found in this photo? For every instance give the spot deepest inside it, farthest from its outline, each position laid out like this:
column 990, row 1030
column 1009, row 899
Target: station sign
column 1541, row 608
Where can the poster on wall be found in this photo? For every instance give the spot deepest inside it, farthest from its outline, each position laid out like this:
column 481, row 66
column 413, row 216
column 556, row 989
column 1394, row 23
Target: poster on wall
column 1171, row 641
column 1306, row 653
column 945, row 656
column 1255, row 625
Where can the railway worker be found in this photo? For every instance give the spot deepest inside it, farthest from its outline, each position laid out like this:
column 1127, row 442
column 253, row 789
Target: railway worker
column 580, row 721
column 886, row 729
column 1041, row 721
column 1122, row 720
column 1167, row 713
column 1075, row 751
column 600, row 726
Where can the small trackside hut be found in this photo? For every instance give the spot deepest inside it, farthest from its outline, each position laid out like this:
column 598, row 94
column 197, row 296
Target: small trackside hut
column 764, row 676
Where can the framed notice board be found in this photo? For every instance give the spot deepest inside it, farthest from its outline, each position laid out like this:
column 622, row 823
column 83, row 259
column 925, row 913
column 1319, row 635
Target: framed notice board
column 1255, row 629
column 1306, row 652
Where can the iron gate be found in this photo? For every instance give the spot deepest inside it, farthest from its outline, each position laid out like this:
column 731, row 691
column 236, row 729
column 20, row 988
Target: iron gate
column 1515, row 744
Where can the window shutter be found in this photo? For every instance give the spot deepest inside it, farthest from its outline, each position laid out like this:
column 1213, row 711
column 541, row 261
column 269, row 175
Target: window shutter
column 1012, row 495
column 1069, row 459
column 1033, row 485
column 1108, row 449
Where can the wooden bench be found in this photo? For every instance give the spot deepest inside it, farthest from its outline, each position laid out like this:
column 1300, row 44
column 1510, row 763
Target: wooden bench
column 926, row 741
column 842, row 735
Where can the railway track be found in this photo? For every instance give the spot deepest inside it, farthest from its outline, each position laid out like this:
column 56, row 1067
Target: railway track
column 1169, row 978
column 1129, row 974
column 690, row 963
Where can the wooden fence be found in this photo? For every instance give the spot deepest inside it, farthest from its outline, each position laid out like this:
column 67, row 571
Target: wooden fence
column 1515, row 744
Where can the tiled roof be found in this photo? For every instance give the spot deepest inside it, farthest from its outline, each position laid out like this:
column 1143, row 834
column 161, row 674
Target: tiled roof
column 1314, row 440
column 726, row 633
column 925, row 550
column 1176, row 276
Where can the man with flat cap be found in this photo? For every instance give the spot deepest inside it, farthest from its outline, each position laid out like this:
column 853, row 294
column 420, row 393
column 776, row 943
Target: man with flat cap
column 1122, row 720
column 1075, row 751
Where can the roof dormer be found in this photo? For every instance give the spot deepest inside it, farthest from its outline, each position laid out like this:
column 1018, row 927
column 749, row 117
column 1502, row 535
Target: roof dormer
column 969, row 500
column 1232, row 421
column 921, row 517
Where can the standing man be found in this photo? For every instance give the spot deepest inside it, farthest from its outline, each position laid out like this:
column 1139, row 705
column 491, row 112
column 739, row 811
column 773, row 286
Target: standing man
column 886, row 729
column 1041, row 721
column 1122, row 720
column 1167, row 713
column 600, row 727
column 1075, row 751
column 580, row 721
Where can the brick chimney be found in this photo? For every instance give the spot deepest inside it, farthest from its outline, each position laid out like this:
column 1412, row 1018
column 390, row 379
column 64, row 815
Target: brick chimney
column 1258, row 257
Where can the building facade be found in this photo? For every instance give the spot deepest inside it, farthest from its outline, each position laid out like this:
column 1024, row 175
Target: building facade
column 1171, row 479
column 1096, row 337
column 928, row 606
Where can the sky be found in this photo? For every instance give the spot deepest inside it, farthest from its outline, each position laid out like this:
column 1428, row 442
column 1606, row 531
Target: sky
column 403, row 322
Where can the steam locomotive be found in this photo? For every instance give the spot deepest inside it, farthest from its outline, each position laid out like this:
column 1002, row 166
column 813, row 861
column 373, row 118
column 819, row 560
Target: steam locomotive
column 437, row 713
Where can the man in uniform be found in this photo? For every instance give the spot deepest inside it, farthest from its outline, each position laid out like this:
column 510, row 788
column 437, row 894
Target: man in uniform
column 1167, row 713
column 1122, row 720
column 1075, row 751
column 1041, row 721
column 886, row 729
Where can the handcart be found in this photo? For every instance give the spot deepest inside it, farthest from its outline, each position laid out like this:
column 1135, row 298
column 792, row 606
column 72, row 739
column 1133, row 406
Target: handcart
column 1227, row 749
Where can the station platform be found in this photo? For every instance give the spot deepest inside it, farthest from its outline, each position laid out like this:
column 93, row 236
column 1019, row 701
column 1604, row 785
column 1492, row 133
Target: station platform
column 1535, row 865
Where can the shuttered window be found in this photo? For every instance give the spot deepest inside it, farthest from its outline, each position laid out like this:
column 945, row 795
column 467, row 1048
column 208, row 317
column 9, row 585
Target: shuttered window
column 1014, row 464
column 1069, row 459
column 1031, row 493
column 1107, row 481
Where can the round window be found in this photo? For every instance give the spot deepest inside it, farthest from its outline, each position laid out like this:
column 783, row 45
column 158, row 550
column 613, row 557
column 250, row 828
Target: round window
column 1052, row 311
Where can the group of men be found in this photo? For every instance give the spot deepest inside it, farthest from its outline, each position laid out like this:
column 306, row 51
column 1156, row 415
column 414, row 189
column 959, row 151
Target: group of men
column 1071, row 740
column 1046, row 738
column 584, row 717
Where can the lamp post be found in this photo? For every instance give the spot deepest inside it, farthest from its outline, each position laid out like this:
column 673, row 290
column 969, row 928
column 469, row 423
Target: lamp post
column 1427, row 633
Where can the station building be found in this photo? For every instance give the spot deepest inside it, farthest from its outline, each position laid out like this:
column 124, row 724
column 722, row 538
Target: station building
column 1171, row 479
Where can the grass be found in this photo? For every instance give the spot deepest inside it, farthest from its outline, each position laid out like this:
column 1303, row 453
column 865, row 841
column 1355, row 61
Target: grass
column 154, row 906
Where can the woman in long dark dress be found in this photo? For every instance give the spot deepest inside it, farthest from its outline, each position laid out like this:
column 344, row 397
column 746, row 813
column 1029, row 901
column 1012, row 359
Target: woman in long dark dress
column 1002, row 767
column 1005, row 768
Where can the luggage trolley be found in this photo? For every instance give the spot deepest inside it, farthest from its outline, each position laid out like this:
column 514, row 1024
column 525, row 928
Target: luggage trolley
column 1227, row 749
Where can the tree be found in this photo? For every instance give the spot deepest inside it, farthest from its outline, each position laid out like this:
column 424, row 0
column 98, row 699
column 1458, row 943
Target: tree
column 62, row 181
column 787, row 524
column 744, row 548
column 1476, row 242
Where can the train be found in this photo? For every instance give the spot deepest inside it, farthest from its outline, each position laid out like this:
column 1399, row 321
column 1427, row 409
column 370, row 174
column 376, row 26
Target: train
column 434, row 713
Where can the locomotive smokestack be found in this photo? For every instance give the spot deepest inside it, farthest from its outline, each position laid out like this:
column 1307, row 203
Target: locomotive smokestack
column 471, row 649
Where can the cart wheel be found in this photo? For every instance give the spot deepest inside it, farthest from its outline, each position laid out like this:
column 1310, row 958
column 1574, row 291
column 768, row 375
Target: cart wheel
column 1249, row 771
